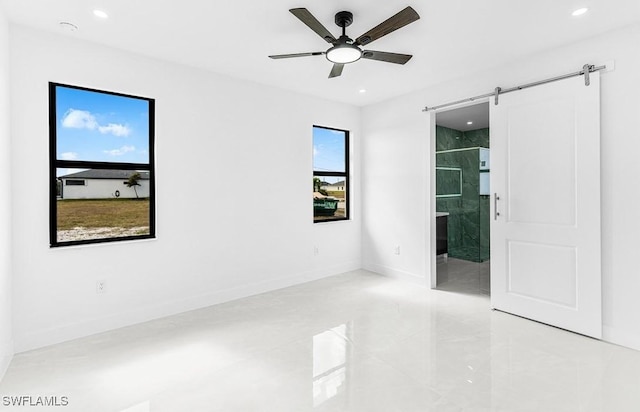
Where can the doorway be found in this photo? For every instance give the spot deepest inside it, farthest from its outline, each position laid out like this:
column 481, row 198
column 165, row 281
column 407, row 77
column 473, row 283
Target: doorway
column 462, row 171
column 545, row 204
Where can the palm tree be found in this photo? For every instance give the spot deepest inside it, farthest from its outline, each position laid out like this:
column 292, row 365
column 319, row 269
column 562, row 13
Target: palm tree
column 317, row 186
column 133, row 181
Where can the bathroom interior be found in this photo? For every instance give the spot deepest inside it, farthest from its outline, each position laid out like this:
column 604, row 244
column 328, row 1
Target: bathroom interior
column 462, row 199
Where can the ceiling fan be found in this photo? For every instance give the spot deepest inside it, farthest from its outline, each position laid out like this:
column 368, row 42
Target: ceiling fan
column 345, row 50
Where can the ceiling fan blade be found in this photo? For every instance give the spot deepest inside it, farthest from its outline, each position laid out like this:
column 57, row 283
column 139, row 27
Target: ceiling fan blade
column 307, row 18
column 287, row 56
column 401, row 19
column 336, row 70
column 386, row 57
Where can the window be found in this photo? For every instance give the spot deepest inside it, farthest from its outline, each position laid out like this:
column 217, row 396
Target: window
column 101, row 166
column 330, row 174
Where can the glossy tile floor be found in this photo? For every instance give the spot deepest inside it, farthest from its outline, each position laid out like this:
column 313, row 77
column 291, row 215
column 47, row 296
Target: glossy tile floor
column 352, row 342
column 462, row 276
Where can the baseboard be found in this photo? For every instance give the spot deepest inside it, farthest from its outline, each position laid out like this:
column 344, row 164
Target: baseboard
column 6, row 355
column 90, row 327
column 396, row 273
column 622, row 338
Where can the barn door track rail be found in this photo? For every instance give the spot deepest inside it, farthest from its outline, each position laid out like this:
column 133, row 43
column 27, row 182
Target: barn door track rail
column 586, row 70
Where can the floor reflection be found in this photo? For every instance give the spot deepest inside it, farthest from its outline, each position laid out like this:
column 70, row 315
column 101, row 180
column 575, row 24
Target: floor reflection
column 330, row 360
column 462, row 276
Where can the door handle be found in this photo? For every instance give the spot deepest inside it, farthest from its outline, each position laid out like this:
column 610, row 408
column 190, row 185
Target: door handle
column 495, row 206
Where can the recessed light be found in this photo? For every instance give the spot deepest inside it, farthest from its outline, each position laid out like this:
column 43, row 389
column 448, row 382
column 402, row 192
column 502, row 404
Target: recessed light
column 363, row 90
column 68, row 26
column 579, row 12
column 469, row 123
column 101, row 14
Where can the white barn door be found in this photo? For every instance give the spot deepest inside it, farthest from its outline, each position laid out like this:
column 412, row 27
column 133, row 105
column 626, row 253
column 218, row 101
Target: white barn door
column 545, row 210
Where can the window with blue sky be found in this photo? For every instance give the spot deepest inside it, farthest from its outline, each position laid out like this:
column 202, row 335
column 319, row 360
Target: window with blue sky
column 103, row 127
column 328, row 150
column 101, row 166
column 330, row 174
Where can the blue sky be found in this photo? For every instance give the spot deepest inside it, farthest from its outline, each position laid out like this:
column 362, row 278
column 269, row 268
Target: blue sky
column 101, row 127
column 328, row 150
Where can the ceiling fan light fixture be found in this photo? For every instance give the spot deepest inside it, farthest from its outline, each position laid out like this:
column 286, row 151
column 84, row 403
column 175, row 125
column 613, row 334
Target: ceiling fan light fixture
column 344, row 54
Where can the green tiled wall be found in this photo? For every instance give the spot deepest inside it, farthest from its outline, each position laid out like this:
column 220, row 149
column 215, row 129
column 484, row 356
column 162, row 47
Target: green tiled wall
column 484, row 228
column 447, row 139
column 448, row 182
column 468, row 221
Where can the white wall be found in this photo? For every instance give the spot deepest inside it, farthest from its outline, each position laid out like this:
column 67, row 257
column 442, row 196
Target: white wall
column 394, row 164
column 6, row 335
column 223, row 231
column 395, row 150
column 104, row 189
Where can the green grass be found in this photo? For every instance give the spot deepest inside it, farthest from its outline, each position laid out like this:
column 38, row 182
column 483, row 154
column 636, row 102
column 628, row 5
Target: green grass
column 91, row 213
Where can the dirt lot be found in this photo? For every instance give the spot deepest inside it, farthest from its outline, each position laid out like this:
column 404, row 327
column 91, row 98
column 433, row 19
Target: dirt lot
column 83, row 233
column 102, row 218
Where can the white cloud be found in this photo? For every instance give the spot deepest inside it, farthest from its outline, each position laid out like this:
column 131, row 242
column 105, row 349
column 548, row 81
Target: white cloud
column 115, row 129
column 79, row 119
column 121, row 151
column 316, row 151
column 82, row 119
column 69, row 156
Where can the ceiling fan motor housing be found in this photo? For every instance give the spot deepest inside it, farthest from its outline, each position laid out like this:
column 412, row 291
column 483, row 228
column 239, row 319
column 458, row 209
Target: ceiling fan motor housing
column 344, row 18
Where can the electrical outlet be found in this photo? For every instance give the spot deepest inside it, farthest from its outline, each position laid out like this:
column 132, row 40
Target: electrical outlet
column 316, row 251
column 396, row 250
column 101, row 287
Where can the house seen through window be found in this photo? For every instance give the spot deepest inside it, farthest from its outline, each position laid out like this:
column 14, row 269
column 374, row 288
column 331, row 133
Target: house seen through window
column 102, row 168
column 330, row 174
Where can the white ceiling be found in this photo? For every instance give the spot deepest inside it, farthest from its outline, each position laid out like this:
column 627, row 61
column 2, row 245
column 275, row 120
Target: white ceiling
column 452, row 38
column 477, row 114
